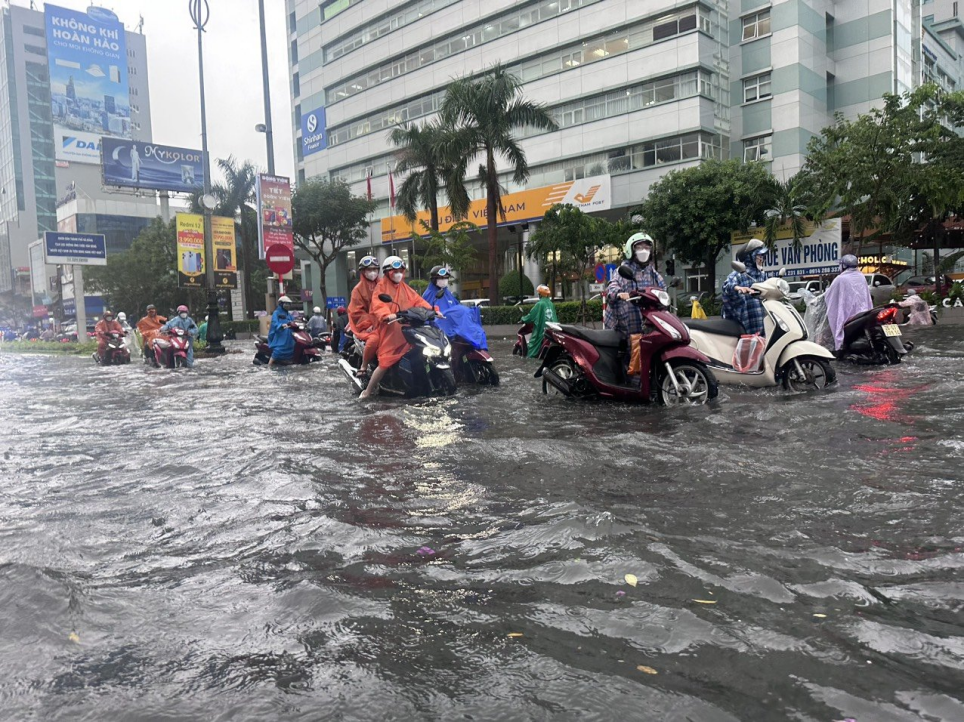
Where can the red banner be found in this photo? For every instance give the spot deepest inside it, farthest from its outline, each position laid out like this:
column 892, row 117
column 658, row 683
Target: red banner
column 274, row 212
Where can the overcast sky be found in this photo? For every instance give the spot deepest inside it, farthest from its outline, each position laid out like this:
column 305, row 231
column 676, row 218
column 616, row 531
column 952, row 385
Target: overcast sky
column 232, row 75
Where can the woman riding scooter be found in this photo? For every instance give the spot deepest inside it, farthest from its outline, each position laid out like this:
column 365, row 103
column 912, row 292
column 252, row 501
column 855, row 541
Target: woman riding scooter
column 621, row 315
column 458, row 320
column 738, row 302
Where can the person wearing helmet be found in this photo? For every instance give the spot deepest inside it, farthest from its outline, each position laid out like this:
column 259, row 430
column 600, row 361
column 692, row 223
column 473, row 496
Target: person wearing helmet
column 847, row 296
column 457, row 320
column 281, row 339
column 391, row 343
column 104, row 328
column 317, row 324
column 621, row 315
column 339, row 328
column 148, row 327
column 360, row 320
column 738, row 302
column 184, row 321
column 542, row 313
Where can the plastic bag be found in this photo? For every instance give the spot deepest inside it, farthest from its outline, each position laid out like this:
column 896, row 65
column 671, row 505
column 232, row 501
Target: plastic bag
column 696, row 311
column 635, row 362
column 748, row 353
column 815, row 318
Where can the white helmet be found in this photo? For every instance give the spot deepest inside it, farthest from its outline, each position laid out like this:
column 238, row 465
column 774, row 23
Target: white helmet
column 316, row 309
column 284, row 299
column 392, row 263
column 121, row 316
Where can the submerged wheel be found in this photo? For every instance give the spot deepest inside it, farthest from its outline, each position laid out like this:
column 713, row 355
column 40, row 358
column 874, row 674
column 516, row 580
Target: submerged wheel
column 564, row 368
column 493, row 375
column 179, row 362
column 444, row 381
column 817, row 374
column 697, row 385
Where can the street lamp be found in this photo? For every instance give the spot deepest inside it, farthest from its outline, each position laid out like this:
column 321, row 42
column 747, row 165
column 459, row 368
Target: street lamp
column 200, row 14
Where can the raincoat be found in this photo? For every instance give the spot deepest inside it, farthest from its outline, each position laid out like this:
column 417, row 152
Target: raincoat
column 847, row 296
column 360, row 319
column 743, row 308
column 459, row 320
column 281, row 339
column 103, row 330
column 189, row 327
column 920, row 312
column 317, row 325
column 149, row 326
column 623, row 316
column 541, row 314
column 202, row 331
column 696, row 310
column 391, row 341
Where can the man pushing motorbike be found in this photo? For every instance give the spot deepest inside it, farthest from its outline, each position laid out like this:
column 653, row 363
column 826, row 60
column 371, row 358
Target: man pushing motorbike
column 184, row 321
column 738, row 302
column 149, row 327
column 281, row 338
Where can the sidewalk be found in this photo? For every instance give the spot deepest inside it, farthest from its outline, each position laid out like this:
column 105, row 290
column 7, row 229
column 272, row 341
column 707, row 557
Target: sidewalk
column 501, row 332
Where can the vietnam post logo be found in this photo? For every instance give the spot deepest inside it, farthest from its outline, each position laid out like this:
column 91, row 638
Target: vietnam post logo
column 312, row 123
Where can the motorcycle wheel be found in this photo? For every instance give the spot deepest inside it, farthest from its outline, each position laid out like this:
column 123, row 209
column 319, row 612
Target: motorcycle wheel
column 484, row 373
column 444, row 381
column 694, row 375
column 819, row 374
column 179, row 362
column 566, row 369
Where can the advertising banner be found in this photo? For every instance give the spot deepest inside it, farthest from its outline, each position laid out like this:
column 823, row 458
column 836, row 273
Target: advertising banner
column 190, row 250
column 225, row 248
column 314, row 137
column 149, row 165
column 87, row 249
column 819, row 251
column 587, row 194
column 89, row 90
column 274, row 212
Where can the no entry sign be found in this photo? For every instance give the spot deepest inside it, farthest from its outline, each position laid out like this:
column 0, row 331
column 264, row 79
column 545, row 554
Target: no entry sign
column 280, row 259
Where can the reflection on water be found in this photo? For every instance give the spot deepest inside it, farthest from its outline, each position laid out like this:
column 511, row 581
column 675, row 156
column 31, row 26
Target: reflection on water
column 230, row 543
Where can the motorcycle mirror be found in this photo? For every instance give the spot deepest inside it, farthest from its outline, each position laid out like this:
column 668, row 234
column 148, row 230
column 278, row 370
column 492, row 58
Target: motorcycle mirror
column 384, row 298
column 738, row 266
column 625, row 272
column 782, row 272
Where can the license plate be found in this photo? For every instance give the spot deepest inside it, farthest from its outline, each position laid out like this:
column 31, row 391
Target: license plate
column 891, row 329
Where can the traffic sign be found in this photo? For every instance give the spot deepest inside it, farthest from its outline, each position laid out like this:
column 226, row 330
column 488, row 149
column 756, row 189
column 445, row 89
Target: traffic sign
column 280, row 259
column 336, row 301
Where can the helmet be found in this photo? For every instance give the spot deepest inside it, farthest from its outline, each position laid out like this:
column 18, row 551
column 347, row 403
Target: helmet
column 635, row 240
column 753, row 248
column 108, row 312
column 440, row 272
column 121, row 316
column 848, row 261
column 341, row 310
column 183, row 309
column 316, row 309
column 544, row 290
column 392, row 263
column 284, row 299
column 368, row 262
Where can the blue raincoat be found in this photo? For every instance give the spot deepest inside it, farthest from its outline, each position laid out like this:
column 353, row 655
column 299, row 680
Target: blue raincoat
column 281, row 340
column 459, row 320
column 190, row 328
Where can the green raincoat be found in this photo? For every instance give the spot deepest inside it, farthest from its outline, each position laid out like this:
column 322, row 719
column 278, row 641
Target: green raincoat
column 541, row 314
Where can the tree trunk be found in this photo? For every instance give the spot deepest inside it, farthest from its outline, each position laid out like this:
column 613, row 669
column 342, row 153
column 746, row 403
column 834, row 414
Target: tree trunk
column 938, row 233
column 491, row 211
column 711, row 270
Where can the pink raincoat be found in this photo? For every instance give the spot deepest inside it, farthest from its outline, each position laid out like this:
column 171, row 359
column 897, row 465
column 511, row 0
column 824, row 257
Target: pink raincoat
column 847, row 296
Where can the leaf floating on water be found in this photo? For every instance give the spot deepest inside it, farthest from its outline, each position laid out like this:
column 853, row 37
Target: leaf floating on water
column 515, row 634
column 820, row 616
column 646, row 670
column 73, row 637
column 705, row 601
column 631, row 580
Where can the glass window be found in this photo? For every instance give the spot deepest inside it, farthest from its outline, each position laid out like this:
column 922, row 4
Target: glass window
column 756, row 25
column 756, row 88
column 759, row 148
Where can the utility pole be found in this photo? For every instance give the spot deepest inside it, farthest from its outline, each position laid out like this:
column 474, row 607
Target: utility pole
column 268, row 137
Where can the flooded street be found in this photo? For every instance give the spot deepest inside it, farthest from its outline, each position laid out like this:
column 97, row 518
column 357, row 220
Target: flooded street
column 232, row 543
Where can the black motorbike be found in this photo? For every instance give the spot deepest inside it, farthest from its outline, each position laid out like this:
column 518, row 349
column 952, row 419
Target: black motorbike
column 874, row 338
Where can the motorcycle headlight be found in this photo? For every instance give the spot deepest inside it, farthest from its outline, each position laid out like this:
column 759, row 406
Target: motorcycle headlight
column 431, row 351
column 667, row 327
column 784, row 287
column 662, row 296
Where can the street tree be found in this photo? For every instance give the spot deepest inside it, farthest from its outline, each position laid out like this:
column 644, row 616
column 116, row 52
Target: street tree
column 694, row 211
column 484, row 113
column 452, row 248
column 326, row 220
column 791, row 205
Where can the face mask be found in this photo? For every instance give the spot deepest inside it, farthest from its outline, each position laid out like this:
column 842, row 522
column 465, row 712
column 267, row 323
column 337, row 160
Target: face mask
column 371, row 275
column 396, row 277
column 284, row 306
column 182, row 315
column 442, row 283
column 759, row 262
column 642, row 255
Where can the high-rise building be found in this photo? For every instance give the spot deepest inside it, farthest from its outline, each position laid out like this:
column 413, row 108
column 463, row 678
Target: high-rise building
column 49, row 142
column 637, row 88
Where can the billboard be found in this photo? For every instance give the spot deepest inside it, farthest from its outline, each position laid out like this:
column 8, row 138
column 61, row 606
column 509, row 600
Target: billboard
column 587, row 194
column 89, row 90
column 190, row 250
column 84, row 249
column 818, row 252
column 314, row 137
column 225, row 248
column 274, row 212
column 149, row 165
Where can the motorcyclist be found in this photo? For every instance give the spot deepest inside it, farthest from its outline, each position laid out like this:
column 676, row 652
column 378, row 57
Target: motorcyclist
column 184, row 321
column 739, row 304
column 540, row 314
column 392, row 344
column 360, row 319
column 458, row 320
column 317, row 324
column 621, row 315
column 104, row 328
column 149, row 327
column 339, row 336
column 202, row 330
column 281, row 339
column 847, row 296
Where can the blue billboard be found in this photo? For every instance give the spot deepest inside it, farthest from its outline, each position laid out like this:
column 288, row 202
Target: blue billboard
column 75, row 248
column 148, row 165
column 89, row 89
column 314, row 137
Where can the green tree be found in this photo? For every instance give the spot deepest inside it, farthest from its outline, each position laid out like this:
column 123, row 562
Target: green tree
column 483, row 113
column 509, row 286
column 453, row 248
column 327, row 219
column 693, row 211
column 791, row 204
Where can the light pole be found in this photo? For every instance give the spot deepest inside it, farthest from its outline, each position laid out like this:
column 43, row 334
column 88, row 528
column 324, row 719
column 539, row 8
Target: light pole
column 200, row 14
column 269, row 139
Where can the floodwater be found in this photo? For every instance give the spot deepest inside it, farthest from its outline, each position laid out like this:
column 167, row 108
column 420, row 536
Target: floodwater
column 232, row 543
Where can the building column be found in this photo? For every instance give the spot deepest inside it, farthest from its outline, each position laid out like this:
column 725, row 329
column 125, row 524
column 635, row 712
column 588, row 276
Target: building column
column 530, row 266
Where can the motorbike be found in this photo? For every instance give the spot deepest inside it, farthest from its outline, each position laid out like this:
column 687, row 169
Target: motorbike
column 788, row 357
column 306, row 348
column 423, row 371
column 472, row 365
column 580, row 362
column 171, row 351
column 116, row 352
column 874, row 338
column 322, row 340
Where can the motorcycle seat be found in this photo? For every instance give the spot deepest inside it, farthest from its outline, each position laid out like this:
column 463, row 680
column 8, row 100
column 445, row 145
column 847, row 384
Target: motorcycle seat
column 603, row 339
column 718, row 326
column 262, row 339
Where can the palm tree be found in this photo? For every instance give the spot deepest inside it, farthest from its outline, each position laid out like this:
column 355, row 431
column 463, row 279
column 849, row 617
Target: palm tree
column 790, row 205
column 483, row 113
column 420, row 154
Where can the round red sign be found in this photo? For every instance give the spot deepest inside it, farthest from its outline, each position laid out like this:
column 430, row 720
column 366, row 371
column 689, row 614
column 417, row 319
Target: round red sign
column 280, row 259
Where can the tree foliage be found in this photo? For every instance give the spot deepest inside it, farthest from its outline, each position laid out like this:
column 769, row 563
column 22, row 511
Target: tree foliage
column 453, row 248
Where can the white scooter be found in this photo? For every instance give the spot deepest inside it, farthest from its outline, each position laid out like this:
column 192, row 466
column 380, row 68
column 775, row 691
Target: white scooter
column 789, row 358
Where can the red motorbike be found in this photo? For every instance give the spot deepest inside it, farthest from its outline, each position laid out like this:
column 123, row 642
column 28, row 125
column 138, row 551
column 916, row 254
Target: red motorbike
column 472, row 365
column 582, row 363
column 306, row 348
column 171, row 352
column 115, row 352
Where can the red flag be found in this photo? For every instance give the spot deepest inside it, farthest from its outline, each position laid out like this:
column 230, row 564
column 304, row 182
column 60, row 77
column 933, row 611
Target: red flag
column 391, row 188
column 368, row 178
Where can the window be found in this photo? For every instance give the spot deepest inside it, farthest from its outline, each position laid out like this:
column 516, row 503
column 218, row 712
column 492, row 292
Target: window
column 295, row 84
column 39, row 32
column 756, row 25
column 759, row 148
column 954, row 11
column 294, row 51
column 756, row 88
column 292, row 22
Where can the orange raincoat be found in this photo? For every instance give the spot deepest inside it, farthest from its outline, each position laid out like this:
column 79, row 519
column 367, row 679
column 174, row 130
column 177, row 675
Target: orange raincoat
column 361, row 320
column 391, row 341
column 149, row 326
